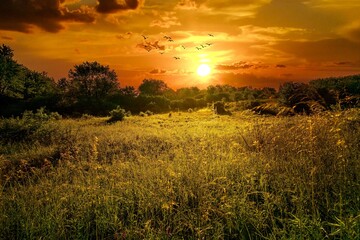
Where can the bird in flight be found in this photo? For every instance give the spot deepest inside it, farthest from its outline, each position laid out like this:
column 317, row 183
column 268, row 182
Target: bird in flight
column 145, row 37
column 198, row 48
column 176, row 58
column 183, row 46
column 211, row 35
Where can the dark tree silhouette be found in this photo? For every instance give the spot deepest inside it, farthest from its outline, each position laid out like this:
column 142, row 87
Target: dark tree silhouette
column 153, row 87
column 93, row 80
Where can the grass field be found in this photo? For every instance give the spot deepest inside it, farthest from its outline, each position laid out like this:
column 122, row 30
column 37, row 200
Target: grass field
column 189, row 176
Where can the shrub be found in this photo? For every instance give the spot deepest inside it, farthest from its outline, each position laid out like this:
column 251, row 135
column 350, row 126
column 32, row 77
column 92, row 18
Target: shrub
column 219, row 108
column 149, row 113
column 30, row 127
column 86, row 116
column 117, row 114
column 246, row 105
column 142, row 114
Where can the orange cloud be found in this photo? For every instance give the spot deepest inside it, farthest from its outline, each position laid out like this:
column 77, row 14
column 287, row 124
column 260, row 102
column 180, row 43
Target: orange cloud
column 240, row 65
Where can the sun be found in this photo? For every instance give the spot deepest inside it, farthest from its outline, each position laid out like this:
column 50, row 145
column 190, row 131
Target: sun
column 203, row 70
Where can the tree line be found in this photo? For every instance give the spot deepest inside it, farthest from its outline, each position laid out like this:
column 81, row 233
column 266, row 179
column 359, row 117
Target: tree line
column 93, row 88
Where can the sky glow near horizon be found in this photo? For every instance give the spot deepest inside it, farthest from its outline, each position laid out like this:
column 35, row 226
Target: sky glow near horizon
column 245, row 43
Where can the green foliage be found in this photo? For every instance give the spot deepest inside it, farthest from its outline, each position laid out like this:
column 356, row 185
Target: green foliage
column 30, row 127
column 301, row 97
column 10, row 70
column 246, row 105
column 117, row 114
column 342, row 92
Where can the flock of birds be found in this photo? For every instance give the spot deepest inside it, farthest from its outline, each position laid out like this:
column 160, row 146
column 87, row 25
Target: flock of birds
column 148, row 46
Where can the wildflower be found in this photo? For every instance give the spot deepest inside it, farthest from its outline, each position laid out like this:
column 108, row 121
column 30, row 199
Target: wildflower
column 340, row 143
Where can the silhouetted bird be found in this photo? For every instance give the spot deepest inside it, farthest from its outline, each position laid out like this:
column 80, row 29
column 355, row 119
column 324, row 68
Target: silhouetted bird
column 176, row 58
column 210, row 35
column 145, row 37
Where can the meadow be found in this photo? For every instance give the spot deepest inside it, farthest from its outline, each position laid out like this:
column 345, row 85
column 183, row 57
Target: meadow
column 185, row 176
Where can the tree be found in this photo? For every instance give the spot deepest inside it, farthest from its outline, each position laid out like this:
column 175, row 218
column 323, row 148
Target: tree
column 37, row 84
column 10, row 83
column 91, row 80
column 153, row 87
column 128, row 91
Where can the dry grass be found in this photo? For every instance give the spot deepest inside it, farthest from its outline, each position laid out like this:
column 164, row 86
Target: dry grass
column 189, row 176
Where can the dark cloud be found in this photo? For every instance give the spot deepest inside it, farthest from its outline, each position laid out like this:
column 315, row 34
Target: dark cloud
column 157, row 71
column 151, row 46
column 112, row 6
column 22, row 15
column 240, row 65
column 343, row 63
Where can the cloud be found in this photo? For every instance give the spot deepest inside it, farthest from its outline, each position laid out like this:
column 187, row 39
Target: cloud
column 112, row 6
column 240, row 65
column 186, row 5
column 280, row 66
column 295, row 14
column 352, row 31
column 343, row 63
column 167, row 20
column 124, row 36
column 322, row 50
column 148, row 46
column 157, row 71
column 6, row 38
column 23, row 15
column 246, row 79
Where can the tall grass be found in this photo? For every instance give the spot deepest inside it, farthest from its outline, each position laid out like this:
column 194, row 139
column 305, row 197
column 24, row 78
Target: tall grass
column 191, row 176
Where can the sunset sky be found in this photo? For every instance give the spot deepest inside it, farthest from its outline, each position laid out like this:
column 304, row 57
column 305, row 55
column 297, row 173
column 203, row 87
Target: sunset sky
column 245, row 42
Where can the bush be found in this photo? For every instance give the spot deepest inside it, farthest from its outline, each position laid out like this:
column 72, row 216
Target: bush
column 246, row 105
column 149, row 113
column 30, row 127
column 117, row 114
column 219, row 108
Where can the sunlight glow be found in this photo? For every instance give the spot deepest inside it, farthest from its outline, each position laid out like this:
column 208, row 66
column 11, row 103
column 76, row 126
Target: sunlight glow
column 203, row 70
